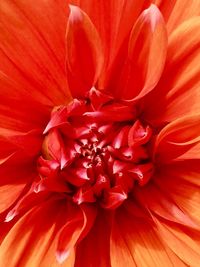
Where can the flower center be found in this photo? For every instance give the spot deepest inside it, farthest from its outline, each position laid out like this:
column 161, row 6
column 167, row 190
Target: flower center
column 95, row 150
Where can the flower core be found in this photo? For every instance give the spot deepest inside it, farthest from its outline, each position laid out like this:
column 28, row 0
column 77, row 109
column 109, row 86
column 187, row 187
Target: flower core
column 95, row 150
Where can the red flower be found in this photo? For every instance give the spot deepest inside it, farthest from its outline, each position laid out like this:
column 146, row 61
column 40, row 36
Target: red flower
column 99, row 133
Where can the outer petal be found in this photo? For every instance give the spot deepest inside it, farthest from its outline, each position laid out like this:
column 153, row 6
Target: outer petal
column 119, row 250
column 185, row 247
column 138, row 241
column 162, row 204
column 18, row 108
column 16, row 173
column 178, row 90
column 175, row 13
column 113, row 20
column 79, row 223
column 84, row 52
column 186, row 196
column 146, row 56
column 32, row 241
column 179, row 140
column 94, row 248
column 32, row 48
column 27, row 142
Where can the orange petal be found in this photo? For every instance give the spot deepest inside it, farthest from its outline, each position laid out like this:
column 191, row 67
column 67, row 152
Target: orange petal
column 32, row 48
column 146, row 56
column 139, row 240
column 160, row 202
column 178, row 90
column 186, row 196
column 175, row 12
column 185, row 247
column 33, row 237
column 120, row 254
column 9, row 194
column 84, row 52
column 179, row 140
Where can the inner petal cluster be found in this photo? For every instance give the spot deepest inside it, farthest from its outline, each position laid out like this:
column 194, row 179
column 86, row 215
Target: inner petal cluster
column 95, row 150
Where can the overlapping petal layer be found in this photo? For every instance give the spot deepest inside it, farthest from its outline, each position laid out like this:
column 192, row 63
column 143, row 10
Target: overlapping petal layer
column 143, row 56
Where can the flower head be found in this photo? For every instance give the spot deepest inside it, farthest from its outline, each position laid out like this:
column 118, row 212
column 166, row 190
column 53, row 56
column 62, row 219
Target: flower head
column 99, row 133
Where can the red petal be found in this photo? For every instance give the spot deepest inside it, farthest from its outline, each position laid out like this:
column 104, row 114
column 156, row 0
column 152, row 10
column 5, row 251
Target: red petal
column 113, row 20
column 27, row 142
column 84, row 52
column 16, row 172
column 146, row 56
column 138, row 135
column 18, row 109
column 54, row 148
column 32, row 48
column 78, row 225
column 93, row 250
column 113, row 198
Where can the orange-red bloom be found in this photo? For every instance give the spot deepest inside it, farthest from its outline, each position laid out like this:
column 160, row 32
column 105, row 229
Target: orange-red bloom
column 99, row 133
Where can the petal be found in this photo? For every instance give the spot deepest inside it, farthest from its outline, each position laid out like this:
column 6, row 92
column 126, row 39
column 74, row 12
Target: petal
column 119, row 251
column 186, row 196
column 32, row 48
column 84, row 52
column 178, row 90
column 28, row 142
column 186, row 248
column 16, row 172
column 93, row 250
column 140, row 241
column 32, row 240
column 146, row 56
column 78, row 225
column 18, row 108
column 113, row 20
column 179, row 140
column 7, row 199
column 175, row 13
column 159, row 202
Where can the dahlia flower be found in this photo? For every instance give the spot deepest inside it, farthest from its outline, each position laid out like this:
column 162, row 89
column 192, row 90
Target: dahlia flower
column 99, row 133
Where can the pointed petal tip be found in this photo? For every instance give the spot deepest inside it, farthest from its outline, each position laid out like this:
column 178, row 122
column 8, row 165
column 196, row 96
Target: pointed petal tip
column 75, row 13
column 10, row 216
column 61, row 256
column 63, row 163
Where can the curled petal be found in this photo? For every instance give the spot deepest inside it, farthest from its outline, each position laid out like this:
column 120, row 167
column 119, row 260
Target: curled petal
column 84, row 53
column 80, row 223
column 179, row 140
column 146, row 55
